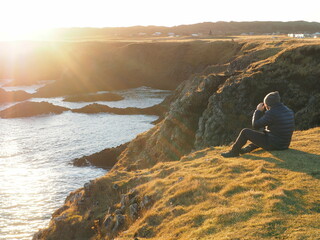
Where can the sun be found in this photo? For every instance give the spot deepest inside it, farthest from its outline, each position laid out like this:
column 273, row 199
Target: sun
column 16, row 34
column 14, row 30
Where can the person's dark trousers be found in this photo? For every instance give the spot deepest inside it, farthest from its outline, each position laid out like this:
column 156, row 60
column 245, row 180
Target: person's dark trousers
column 259, row 139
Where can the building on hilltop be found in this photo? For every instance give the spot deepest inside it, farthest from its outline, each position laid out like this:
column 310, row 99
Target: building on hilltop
column 303, row 35
column 157, row 33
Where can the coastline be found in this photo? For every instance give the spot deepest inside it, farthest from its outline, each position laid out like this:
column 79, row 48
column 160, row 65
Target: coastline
column 163, row 179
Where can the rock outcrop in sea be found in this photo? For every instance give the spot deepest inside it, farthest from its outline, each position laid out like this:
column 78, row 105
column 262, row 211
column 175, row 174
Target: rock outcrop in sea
column 29, row 109
column 93, row 97
column 106, row 158
column 13, row 96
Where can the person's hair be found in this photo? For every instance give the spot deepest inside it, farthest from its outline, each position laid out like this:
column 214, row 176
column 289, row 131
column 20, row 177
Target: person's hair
column 272, row 98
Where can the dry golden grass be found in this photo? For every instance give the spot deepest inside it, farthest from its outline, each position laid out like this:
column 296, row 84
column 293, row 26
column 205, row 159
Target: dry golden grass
column 262, row 195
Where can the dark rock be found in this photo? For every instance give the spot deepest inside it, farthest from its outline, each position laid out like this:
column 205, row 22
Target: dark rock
column 29, row 109
column 134, row 199
column 124, row 200
column 146, row 202
column 133, row 211
column 13, row 96
column 111, row 209
column 104, row 159
column 60, row 218
column 118, row 211
column 73, row 197
column 109, row 223
column 59, row 211
column 157, row 110
column 119, row 222
column 132, row 193
column 94, row 97
column 87, row 186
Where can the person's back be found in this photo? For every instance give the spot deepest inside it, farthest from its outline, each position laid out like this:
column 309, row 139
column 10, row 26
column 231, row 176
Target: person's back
column 282, row 126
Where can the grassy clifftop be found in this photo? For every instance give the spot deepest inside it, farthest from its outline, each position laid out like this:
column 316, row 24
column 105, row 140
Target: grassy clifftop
column 159, row 190
column 262, row 195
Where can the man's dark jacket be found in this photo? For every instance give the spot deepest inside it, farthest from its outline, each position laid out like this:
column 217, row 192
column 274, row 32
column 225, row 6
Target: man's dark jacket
column 278, row 123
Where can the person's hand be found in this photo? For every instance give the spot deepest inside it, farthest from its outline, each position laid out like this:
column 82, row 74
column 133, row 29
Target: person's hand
column 260, row 107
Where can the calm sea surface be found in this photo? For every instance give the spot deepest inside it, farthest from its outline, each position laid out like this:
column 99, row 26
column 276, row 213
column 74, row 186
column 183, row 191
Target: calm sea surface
column 35, row 154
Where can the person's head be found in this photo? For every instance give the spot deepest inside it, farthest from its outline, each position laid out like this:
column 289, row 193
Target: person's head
column 271, row 99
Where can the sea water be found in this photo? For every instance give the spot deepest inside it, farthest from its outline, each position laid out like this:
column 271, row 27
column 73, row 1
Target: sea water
column 35, row 154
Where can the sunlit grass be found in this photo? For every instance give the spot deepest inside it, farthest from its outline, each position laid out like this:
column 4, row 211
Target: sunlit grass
column 261, row 195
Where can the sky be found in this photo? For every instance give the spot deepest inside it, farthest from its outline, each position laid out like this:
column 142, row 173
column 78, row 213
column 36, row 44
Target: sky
column 23, row 17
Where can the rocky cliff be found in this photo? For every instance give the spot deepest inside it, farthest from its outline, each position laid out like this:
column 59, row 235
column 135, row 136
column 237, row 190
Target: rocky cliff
column 84, row 67
column 208, row 109
column 211, row 109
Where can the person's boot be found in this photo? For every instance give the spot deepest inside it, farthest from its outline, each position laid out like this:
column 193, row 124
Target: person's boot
column 248, row 149
column 230, row 154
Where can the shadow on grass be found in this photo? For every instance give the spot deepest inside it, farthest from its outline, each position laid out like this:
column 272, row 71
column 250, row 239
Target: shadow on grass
column 293, row 160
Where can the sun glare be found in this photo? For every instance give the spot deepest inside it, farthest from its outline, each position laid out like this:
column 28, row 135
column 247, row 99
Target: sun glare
column 16, row 34
column 14, row 30
column 24, row 19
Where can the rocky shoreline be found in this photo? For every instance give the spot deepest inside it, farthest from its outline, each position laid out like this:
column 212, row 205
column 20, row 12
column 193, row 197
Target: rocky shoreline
column 105, row 159
column 30, row 109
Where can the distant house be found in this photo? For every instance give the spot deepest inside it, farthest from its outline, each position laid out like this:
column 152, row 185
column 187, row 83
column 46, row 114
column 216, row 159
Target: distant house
column 157, row 34
column 195, row 35
column 297, row 35
column 170, row 34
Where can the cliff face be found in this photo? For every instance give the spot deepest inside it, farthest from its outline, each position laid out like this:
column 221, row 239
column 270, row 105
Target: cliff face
column 211, row 110
column 81, row 67
column 294, row 72
column 92, row 66
column 206, row 110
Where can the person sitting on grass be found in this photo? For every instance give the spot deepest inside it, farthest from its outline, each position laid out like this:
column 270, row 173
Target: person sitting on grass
column 277, row 121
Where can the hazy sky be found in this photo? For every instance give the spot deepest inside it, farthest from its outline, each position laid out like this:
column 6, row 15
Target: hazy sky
column 22, row 16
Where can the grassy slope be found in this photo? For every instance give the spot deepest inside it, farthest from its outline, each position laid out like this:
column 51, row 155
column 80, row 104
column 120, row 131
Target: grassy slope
column 262, row 195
